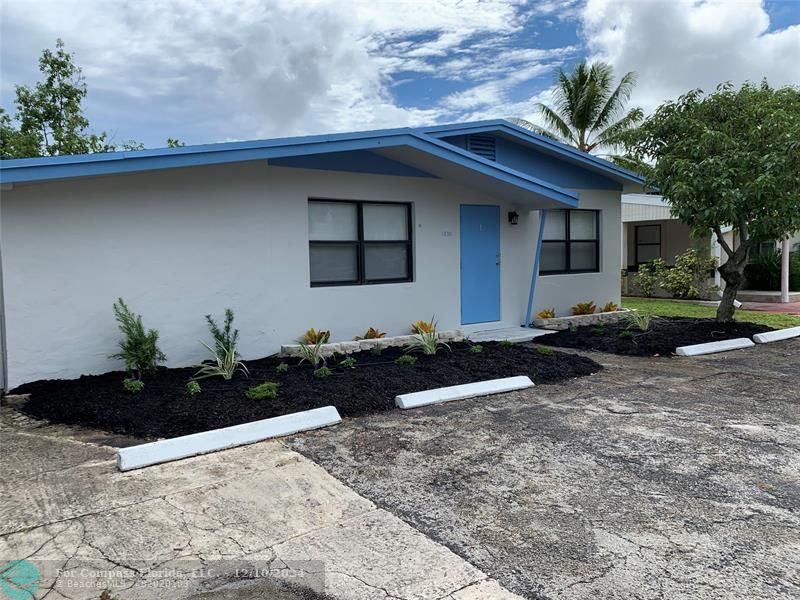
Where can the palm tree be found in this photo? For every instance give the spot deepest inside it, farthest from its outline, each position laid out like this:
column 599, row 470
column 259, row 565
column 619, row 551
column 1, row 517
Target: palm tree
column 588, row 111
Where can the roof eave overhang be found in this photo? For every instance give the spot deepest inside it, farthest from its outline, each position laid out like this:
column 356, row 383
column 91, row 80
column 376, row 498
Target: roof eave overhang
column 460, row 164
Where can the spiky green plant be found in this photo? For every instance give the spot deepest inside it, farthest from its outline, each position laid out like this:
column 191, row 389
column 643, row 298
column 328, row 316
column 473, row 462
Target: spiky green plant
column 138, row 348
column 425, row 339
column 223, row 364
column 638, row 320
column 312, row 354
column 225, row 336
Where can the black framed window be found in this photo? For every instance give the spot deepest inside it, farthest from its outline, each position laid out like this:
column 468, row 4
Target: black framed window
column 648, row 243
column 571, row 242
column 359, row 243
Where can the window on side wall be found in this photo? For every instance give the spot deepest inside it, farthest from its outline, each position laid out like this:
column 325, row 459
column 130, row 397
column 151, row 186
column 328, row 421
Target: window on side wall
column 359, row 243
column 571, row 242
column 648, row 243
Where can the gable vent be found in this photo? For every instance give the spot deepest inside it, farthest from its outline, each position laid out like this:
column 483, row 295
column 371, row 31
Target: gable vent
column 482, row 145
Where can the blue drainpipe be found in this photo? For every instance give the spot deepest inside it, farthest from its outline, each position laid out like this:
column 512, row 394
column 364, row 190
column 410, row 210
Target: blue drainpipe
column 535, row 273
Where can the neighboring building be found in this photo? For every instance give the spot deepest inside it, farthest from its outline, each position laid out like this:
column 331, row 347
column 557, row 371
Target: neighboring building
column 650, row 231
column 340, row 231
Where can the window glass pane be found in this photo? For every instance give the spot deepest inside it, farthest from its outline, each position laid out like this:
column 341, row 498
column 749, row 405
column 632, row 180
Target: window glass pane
column 582, row 225
column 583, row 256
column 555, row 225
column 647, row 253
column 385, row 261
column 385, row 222
column 648, row 234
column 554, row 256
column 329, row 221
column 333, row 263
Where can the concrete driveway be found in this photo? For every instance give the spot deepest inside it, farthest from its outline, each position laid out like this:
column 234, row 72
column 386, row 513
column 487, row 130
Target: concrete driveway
column 255, row 522
column 656, row 478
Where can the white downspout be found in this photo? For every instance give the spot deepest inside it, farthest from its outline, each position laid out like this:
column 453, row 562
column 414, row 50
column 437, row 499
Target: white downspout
column 785, row 270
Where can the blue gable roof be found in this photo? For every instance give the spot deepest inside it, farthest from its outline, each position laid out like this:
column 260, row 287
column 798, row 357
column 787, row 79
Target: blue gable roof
column 541, row 146
column 540, row 174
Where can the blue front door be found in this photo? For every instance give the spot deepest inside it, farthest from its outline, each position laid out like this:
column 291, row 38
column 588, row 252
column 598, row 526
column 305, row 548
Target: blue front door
column 480, row 263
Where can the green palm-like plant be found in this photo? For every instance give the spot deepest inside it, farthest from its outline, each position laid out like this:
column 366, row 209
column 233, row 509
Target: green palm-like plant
column 588, row 111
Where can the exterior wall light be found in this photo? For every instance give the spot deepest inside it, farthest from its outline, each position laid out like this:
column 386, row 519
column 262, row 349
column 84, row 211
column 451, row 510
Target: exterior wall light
column 513, row 217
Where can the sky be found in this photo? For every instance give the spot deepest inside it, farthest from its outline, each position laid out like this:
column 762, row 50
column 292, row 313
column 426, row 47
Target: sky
column 220, row 70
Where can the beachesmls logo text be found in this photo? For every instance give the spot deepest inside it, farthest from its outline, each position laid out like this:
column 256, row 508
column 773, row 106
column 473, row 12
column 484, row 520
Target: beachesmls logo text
column 19, row 580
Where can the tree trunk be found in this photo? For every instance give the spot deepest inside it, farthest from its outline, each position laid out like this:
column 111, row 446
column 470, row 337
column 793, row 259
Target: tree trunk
column 732, row 272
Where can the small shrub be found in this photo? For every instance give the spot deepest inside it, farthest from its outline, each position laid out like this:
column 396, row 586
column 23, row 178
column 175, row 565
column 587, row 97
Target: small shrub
column 312, row 354
column 547, row 313
column 139, row 348
column 638, row 320
column 226, row 336
column 133, row 385
column 544, row 350
column 373, row 334
column 282, row 368
column 377, row 350
column 426, row 342
column 312, row 337
column 573, row 328
column 689, row 278
column 322, row 372
column 649, row 276
column 625, row 334
column 584, row 308
column 224, row 355
column 598, row 330
column 476, row 349
column 505, row 343
column 610, row 307
column 406, row 359
column 348, row 363
column 193, row 388
column 423, row 327
column 263, row 391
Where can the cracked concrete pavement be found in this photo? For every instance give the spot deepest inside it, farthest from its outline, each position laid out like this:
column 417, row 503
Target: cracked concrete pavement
column 241, row 524
column 655, row 478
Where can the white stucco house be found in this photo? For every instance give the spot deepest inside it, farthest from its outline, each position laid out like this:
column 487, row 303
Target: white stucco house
column 341, row 232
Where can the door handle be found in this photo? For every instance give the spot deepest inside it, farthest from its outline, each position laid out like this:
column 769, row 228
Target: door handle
column 497, row 259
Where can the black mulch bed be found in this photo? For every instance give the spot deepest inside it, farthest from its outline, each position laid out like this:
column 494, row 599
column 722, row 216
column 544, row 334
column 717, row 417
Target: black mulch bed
column 664, row 336
column 163, row 409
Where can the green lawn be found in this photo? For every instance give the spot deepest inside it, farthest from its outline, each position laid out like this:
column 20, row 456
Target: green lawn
column 675, row 308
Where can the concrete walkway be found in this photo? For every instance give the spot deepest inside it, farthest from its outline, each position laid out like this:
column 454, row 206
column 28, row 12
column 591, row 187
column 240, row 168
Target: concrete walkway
column 791, row 308
column 227, row 525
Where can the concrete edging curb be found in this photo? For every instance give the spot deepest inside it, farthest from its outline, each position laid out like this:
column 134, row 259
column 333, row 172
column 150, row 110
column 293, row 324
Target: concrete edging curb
column 776, row 336
column 462, row 392
column 152, row 453
column 714, row 347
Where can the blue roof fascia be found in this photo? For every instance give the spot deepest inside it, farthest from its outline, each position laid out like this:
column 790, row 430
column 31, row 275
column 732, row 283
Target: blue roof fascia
column 65, row 167
column 535, row 139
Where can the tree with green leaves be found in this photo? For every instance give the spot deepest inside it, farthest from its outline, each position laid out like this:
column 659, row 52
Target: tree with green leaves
column 50, row 118
column 589, row 111
column 729, row 158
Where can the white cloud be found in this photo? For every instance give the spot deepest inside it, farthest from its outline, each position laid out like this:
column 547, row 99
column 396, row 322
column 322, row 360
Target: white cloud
column 211, row 70
column 679, row 45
